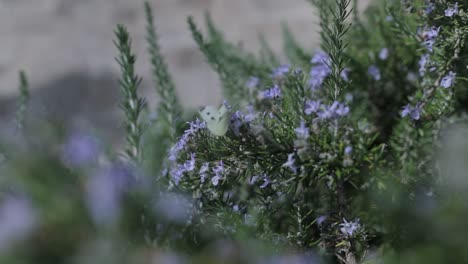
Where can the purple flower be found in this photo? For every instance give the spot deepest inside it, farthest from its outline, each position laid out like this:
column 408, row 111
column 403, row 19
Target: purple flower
column 389, row 18
column 320, row 70
column 203, row 170
column 252, row 180
column 195, row 126
column 422, row 64
column 429, row 8
column 81, row 149
column 253, row 83
column 272, row 93
column 103, row 198
column 280, row 71
column 383, row 54
column 251, row 115
column 17, row 219
column 311, row 107
column 345, row 74
column 448, row 80
column 374, row 71
column 335, row 110
column 290, row 163
column 174, row 207
column 218, row 170
column 349, row 228
column 177, row 172
column 451, row 10
column 189, row 165
column 302, row 131
column 266, row 182
column 429, row 36
column 348, row 150
column 413, row 112
column 321, row 219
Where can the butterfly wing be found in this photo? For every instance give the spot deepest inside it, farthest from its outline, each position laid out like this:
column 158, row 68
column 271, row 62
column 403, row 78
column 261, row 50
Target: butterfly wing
column 216, row 119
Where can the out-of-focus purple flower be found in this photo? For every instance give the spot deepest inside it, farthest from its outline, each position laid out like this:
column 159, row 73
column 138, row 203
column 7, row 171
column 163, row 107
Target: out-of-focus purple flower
column 177, row 172
column 422, row 64
column 321, row 219
column 349, row 228
column 194, row 127
column 253, row 83
column 429, row 8
column 251, row 115
column 218, row 170
column 17, row 219
column 389, row 18
column 345, row 74
column 290, row 163
column 335, row 110
column 280, row 71
column 383, row 54
column 253, row 180
column 311, row 107
column 451, row 10
column 429, row 36
column 236, row 121
column 413, row 112
column 302, row 131
column 174, row 207
column 374, row 71
column 320, row 70
column 272, row 93
column 81, row 149
column 265, row 183
column 235, row 208
column 348, row 150
column 448, row 80
column 189, row 165
column 103, row 198
column 349, row 97
column 203, row 170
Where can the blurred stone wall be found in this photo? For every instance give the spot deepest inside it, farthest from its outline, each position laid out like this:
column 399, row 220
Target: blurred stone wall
column 66, row 48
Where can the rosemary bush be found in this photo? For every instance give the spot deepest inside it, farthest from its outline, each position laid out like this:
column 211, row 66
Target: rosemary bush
column 352, row 153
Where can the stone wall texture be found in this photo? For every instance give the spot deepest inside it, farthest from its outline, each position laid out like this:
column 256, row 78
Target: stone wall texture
column 66, row 48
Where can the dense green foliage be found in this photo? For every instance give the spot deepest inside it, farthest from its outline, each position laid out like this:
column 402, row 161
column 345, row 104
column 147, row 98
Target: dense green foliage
column 351, row 153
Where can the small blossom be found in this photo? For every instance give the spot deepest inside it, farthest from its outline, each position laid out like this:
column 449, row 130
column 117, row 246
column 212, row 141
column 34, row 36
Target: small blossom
column 252, row 180
column 349, row 97
column 266, row 182
column 383, row 54
column 374, row 71
column 183, row 140
column 451, row 10
column 320, row 70
column 81, row 149
column 177, row 172
column 272, row 93
column 302, row 131
column 203, row 170
column 348, row 150
column 280, row 71
column 174, row 207
column 251, row 115
column 335, row 110
column 17, row 219
column 321, row 219
column 429, row 8
column 311, row 107
column 290, row 163
column 388, row 18
column 189, row 165
column 253, row 83
column 422, row 64
column 235, row 208
column 349, row 228
column 429, row 36
column 218, row 170
column 413, row 112
column 448, row 80
column 345, row 74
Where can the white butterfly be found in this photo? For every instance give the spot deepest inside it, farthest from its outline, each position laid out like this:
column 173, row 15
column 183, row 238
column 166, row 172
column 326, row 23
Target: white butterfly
column 216, row 120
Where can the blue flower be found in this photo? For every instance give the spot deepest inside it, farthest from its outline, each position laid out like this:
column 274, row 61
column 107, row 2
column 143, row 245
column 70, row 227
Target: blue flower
column 302, row 131
column 383, row 54
column 451, row 10
column 448, row 80
column 280, row 71
column 81, row 149
column 253, row 83
column 349, row 228
column 266, row 182
column 345, row 74
column 189, row 165
column 320, row 70
column 335, row 110
column 429, row 36
column 272, row 93
column 203, row 170
column 348, row 150
column 413, row 112
column 17, row 219
column 374, row 71
column 429, row 8
column 218, row 170
column 290, row 163
column 422, row 64
column 311, row 107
